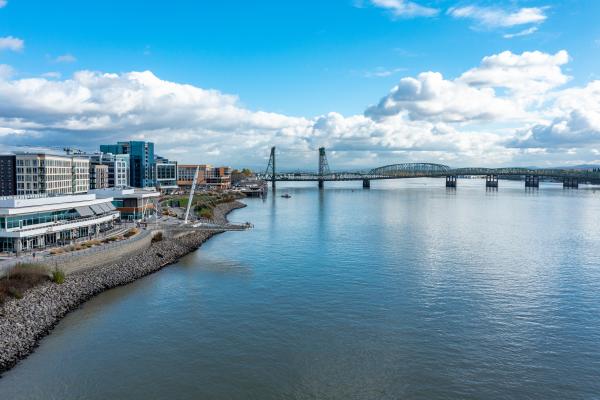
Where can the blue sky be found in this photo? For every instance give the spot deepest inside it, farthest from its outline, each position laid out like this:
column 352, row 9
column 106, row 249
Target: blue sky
column 298, row 62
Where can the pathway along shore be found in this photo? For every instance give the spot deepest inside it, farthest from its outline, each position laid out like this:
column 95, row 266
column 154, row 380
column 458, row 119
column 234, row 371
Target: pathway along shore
column 24, row 322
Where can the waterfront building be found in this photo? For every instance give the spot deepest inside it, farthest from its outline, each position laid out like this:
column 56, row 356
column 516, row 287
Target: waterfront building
column 8, row 175
column 98, row 176
column 40, row 173
column 133, row 204
column 165, row 173
column 208, row 176
column 219, row 178
column 186, row 172
column 141, row 161
column 118, row 167
column 30, row 222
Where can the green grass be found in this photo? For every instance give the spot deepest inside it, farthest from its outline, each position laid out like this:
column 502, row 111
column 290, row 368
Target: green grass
column 58, row 276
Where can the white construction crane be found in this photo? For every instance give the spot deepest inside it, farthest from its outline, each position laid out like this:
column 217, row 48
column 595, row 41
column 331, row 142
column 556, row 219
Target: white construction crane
column 189, row 204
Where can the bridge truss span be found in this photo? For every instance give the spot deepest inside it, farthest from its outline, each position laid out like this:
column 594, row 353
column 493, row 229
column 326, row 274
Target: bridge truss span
column 410, row 170
column 570, row 177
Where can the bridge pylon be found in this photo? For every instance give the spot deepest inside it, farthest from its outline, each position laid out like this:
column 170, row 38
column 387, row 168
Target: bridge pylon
column 323, row 166
column 271, row 167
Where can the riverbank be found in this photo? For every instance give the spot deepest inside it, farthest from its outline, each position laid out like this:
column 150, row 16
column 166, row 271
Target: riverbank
column 24, row 322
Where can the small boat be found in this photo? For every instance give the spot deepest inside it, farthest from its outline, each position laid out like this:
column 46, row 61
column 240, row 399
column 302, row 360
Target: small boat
column 286, row 195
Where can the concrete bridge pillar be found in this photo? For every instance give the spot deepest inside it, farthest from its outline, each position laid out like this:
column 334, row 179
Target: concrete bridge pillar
column 321, row 184
column 532, row 181
column 451, row 181
column 366, row 183
column 491, row 181
column 570, row 183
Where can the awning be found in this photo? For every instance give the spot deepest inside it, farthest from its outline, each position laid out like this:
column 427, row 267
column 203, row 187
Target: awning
column 97, row 209
column 84, row 211
column 104, row 207
column 111, row 206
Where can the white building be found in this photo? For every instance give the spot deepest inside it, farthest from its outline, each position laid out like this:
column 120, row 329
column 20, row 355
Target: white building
column 51, row 174
column 39, row 221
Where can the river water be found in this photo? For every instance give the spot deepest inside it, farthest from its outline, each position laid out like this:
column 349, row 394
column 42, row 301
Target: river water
column 407, row 290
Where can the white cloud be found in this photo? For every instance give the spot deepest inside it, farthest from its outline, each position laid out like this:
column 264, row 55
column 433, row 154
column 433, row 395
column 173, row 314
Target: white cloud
column 575, row 114
column 381, row 72
column 6, row 71
column 431, row 97
column 524, row 32
column 52, row 74
column 11, row 43
column 528, row 74
column 405, row 8
column 65, row 58
column 3, row 3
column 477, row 118
column 493, row 17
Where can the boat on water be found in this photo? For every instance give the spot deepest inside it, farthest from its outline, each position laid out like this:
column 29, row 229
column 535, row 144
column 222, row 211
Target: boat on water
column 286, row 195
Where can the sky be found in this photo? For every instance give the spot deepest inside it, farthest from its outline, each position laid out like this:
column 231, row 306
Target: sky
column 462, row 83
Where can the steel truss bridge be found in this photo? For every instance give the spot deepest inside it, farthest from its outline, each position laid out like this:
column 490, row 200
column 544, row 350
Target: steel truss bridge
column 570, row 177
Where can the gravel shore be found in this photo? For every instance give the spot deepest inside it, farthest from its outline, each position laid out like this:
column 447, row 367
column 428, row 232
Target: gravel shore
column 25, row 321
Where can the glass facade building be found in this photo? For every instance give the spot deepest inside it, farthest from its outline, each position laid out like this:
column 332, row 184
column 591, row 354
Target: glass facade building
column 141, row 161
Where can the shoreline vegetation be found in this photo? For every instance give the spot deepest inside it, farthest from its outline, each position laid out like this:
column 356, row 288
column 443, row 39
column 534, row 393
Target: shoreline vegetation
column 43, row 300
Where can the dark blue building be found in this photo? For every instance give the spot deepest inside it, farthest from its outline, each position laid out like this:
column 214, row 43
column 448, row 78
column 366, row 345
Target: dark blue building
column 141, row 161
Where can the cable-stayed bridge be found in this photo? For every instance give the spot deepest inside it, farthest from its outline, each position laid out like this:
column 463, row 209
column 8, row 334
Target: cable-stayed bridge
column 571, row 178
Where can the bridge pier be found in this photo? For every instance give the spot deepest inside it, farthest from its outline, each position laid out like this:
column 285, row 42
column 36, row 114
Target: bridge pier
column 451, row 181
column 366, row 183
column 491, row 181
column 321, row 184
column 532, row 181
column 570, row 183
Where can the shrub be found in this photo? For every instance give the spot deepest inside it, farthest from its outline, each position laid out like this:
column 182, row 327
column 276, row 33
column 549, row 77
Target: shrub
column 158, row 236
column 14, row 292
column 58, row 276
column 21, row 277
column 206, row 213
column 131, row 232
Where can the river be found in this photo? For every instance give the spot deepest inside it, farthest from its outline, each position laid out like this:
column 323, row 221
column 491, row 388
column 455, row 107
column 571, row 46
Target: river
column 406, row 290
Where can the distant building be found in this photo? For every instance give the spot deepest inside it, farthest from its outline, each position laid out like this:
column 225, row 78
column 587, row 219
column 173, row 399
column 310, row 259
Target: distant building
column 38, row 221
column 39, row 173
column 141, row 161
column 186, row 172
column 133, row 204
column 165, row 174
column 8, row 175
column 219, row 178
column 98, row 176
column 208, row 176
column 118, row 167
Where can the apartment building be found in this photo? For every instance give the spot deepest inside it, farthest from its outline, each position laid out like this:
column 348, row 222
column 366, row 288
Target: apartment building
column 141, row 161
column 98, row 176
column 40, row 173
column 8, row 175
column 118, row 167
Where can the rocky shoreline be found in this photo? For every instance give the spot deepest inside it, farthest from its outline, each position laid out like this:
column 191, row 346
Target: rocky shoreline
column 25, row 321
